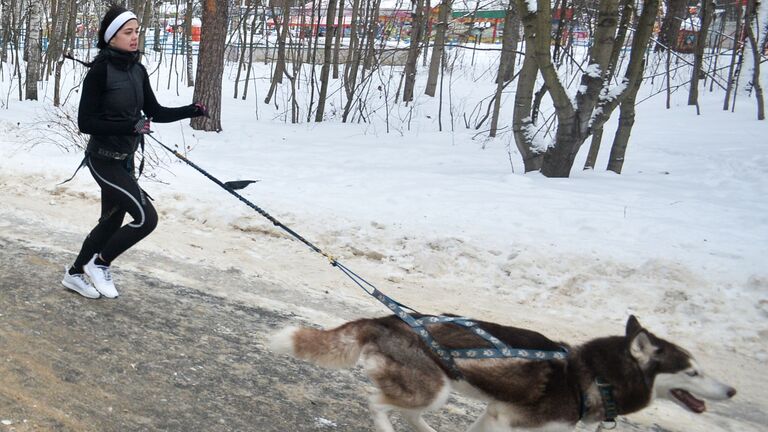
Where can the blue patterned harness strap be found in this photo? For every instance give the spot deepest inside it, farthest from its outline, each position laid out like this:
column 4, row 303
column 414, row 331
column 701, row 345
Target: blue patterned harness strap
column 500, row 350
column 421, row 330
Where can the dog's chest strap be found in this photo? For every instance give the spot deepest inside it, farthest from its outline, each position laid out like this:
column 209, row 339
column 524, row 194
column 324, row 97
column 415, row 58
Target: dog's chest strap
column 609, row 404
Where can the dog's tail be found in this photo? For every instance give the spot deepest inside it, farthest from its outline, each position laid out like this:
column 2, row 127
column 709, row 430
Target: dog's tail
column 334, row 348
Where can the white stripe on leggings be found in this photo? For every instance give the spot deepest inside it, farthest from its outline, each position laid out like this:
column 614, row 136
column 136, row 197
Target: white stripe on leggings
column 141, row 209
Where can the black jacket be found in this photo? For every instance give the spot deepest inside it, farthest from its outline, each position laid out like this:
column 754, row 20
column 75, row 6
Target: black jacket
column 115, row 92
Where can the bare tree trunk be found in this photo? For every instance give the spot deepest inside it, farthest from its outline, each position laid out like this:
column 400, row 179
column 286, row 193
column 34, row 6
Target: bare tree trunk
column 337, row 42
column 426, row 31
column 188, row 42
column 626, row 121
column 368, row 57
column 627, row 12
column 156, row 46
column 69, row 10
column 763, row 28
column 437, row 50
column 522, row 121
column 737, row 48
column 562, row 6
column 370, row 51
column 719, row 39
column 17, row 61
column 14, row 41
column 250, row 53
column 57, row 33
column 314, row 31
column 707, row 10
column 146, row 16
column 327, row 57
column 210, row 65
column 281, row 27
column 23, row 26
column 600, row 58
column 506, row 61
column 573, row 124
column 633, row 80
column 594, row 149
column 634, row 70
column 668, row 77
column 33, row 49
column 5, row 22
column 576, row 120
column 243, row 30
column 558, row 158
column 413, row 51
column 174, row 61
column 297, row 62
column 353, row 61
column 510, row 39
column 737, row 72
column 749, row 21
column 139, row 8
column 294, row 103
column 312, row 56
column 440, row 102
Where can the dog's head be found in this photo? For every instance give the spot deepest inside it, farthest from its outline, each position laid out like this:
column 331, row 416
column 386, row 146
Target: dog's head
column 675, row 374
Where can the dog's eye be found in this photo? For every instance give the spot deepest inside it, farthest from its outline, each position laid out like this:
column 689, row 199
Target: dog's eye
column 692, row 373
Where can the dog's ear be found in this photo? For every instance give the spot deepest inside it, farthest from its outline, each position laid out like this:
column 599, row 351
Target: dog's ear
column 640, row 344
column 642, row 348
column 633, row 327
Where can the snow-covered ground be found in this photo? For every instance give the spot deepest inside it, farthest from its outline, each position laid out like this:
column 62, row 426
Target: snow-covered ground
column 447, row 222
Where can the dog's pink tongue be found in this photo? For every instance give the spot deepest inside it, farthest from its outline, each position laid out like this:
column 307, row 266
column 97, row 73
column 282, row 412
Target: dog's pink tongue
column 695, row 405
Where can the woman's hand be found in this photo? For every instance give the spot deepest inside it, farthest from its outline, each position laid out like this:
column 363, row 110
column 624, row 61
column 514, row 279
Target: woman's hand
column 200, row 110
column 143, row 126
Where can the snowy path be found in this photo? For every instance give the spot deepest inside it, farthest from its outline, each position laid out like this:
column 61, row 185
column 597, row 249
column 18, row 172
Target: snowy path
column 261, row 269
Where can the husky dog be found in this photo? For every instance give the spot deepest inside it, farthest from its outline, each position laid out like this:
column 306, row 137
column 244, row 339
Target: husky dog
column 596, row 381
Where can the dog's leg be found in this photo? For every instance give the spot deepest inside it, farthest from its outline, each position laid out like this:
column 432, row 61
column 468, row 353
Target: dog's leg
column 409, row 381
column 416, row 421
column 481, row 424
column 489, row 421
column 501, row 417
column 439, row 398
column 379, row 412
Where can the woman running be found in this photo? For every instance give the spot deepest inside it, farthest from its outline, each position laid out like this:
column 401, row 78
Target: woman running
column 116, row 106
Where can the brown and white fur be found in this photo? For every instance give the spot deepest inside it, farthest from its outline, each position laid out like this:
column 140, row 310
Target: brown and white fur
column 521, row 394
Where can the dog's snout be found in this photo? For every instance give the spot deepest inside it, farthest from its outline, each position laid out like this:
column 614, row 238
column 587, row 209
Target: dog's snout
column 731, row 392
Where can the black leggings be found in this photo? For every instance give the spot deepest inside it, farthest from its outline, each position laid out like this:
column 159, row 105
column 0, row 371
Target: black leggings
column 120, row 194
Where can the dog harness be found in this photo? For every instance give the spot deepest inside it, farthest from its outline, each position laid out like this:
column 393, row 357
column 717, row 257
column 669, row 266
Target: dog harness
column 499, row 350
column 610, row 409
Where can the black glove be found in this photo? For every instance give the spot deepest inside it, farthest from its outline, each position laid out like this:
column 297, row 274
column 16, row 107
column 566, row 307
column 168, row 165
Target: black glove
column 142, row 126
column 200, row 109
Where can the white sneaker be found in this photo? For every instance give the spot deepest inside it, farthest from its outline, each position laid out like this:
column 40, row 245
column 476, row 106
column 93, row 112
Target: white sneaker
column 79, row 284
column 101, row 278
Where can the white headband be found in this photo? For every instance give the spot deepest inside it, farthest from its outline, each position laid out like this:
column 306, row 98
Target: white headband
column 118, row 22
